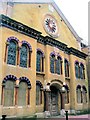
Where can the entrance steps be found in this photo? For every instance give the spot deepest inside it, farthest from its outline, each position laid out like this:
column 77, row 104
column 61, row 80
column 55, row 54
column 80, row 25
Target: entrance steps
column 45, row 114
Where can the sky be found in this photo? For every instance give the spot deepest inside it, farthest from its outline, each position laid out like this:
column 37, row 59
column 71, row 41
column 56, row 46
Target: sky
column 76, row 12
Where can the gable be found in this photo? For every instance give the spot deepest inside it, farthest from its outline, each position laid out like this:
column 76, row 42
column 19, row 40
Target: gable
column 33, row 14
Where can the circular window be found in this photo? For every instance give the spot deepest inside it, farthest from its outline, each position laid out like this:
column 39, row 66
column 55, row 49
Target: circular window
column 50, row 25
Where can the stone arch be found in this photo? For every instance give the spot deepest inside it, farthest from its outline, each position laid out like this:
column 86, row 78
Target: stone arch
column 12, row 38
column 9, row 77
column 39, row 50
column 25, row 79
column 29, row 46
column 39, row 83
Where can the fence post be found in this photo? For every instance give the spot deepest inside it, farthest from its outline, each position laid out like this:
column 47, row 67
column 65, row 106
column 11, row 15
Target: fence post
column 66, row 115
column 3, row 117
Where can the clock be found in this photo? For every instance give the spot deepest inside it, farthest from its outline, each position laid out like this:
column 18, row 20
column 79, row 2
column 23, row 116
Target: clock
column 50, row 25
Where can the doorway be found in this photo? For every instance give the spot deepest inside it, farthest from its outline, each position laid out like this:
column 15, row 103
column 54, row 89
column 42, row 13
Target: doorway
column 54, row 96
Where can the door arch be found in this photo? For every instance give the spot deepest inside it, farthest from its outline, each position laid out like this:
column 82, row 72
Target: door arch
column 54, row 98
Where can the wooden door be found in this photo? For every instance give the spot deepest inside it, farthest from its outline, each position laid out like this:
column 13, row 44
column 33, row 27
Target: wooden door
column 53, row 101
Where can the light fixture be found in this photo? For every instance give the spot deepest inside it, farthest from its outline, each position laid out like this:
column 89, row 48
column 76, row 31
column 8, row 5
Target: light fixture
column 63, row 89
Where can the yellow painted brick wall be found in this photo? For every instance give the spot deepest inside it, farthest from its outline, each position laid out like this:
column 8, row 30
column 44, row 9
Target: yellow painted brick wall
column 18, row 71
column 33, row 16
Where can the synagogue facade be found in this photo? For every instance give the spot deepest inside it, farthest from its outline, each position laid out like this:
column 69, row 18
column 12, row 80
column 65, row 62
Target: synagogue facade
column 42, row 66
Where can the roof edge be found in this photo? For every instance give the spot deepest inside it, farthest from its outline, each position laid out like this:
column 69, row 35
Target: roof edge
column 67, row 22
column 28, row 1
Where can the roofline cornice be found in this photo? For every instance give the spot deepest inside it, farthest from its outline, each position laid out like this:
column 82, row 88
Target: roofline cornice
column 46, row 40
column 19, row 27
column 77, row 53
column 28, row 1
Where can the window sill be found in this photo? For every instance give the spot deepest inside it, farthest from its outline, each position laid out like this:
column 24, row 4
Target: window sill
column 10, row 65
column 8, row 107
column 40, row 73
column 80, row 79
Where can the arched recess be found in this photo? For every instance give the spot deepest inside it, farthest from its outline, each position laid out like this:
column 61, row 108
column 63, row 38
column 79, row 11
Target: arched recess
column 39, row 88
column 79, row 94
column 8, row 90
column 24, row 91
column 84, row 94
column 57, row 83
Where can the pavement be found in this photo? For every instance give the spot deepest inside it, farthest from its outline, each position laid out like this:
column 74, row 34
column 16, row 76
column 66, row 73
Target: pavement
column 70, row 117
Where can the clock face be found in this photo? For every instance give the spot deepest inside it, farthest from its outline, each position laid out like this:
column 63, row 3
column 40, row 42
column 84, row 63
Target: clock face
column 50, row 25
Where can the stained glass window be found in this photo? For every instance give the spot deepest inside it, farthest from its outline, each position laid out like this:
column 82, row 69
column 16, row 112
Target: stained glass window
column 58, row 66
column 39, row 62
column 23, row 56
column 66, row 68
column 82, row 74
column 77, row 70
column 52, row 63
column 11, row 58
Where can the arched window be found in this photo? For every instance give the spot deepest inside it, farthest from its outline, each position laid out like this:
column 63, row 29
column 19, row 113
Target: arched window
column 66, row 94
column 84, row 94
column 52, row 63
column 66, row 68
column 12, row 49
column 38, row 92
column 82, row 72
column 40, row 61
column 59, row 65
column 24, row 92
column 25, row 55
column 77, row 70
column 79, row 94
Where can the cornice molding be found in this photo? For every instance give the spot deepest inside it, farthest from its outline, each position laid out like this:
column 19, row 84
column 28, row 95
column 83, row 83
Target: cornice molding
column 55, row 43
column 19, row 27
column 26, row 30
column 77, row 53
